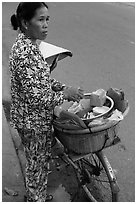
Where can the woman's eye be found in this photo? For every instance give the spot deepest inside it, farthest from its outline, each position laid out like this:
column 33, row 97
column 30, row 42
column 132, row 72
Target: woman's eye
column 47, row 19
column 41, row 19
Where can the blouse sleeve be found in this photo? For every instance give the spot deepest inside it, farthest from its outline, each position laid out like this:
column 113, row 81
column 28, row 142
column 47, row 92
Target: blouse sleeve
column 36, row 84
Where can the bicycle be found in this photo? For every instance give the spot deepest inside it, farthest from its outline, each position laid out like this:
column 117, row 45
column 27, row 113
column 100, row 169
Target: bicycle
column 93, row 172
column 92, row 168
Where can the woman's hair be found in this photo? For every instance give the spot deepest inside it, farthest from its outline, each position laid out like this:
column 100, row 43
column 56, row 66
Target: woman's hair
column 25, row 11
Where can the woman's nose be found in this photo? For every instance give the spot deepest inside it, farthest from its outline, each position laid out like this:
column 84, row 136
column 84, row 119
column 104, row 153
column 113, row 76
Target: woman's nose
column 45, row 25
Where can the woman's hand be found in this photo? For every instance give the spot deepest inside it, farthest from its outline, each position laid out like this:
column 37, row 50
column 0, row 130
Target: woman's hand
column 73, row 94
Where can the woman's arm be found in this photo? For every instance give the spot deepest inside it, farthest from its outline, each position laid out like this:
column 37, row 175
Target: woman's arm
column 36, row 84
column 34, row 76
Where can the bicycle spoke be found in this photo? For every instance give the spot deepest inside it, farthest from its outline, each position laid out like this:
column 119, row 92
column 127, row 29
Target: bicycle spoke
column 94, row 172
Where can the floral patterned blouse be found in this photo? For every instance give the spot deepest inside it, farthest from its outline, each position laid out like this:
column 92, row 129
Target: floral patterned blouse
column 34, row 94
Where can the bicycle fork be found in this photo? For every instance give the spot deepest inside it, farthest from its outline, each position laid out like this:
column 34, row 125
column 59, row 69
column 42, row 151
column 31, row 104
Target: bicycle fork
column 109, row 171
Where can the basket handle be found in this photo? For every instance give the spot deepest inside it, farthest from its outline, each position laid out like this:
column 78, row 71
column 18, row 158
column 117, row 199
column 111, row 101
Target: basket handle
column 67, row 115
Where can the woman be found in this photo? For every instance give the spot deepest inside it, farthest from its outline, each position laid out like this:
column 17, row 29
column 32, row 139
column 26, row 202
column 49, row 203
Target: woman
column 34, row 95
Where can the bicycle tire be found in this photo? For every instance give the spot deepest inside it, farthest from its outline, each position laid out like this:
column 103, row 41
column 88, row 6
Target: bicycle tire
column 99, row 186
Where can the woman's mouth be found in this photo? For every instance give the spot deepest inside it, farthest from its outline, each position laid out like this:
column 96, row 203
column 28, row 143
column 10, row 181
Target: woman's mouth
column 45, row 32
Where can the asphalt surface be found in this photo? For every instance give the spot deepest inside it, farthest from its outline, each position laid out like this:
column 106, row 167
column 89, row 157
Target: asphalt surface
column 102, row 39
column 13, row 189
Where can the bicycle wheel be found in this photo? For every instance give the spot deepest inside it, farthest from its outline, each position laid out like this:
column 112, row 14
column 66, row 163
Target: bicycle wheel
column 97, row 178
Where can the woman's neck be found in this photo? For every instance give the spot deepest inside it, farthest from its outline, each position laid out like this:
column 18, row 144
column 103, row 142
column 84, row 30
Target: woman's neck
column 34, row 41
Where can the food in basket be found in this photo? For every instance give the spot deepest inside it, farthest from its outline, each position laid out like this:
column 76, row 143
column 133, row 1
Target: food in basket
column 116, row 94
column 118, row 97
column 98, row 98
column 89, row 115
column 64, row 106
column 99, row 121
column 73, row 108
column 65, row 115
column 116, row 115
column 81, row 108
column 100, row 110
column 84, row 107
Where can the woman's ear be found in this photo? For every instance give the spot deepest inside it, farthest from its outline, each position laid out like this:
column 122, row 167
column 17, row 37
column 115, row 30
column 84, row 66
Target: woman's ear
column 24, row 24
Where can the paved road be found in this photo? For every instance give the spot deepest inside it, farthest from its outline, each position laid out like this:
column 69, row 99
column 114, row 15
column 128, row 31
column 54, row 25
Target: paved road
column 101, row 37
column 12, row 178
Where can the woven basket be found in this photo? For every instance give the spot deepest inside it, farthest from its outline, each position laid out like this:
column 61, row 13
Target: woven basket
column 88, row 140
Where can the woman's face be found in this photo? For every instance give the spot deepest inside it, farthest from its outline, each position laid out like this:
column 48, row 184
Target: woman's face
column 37, row 27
